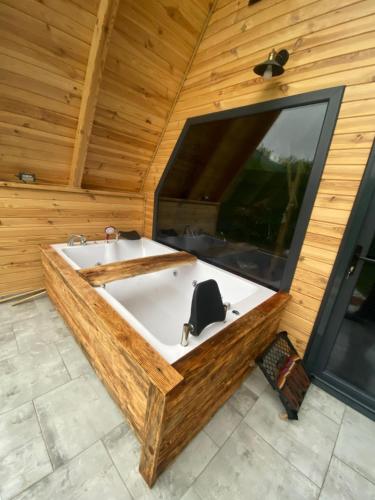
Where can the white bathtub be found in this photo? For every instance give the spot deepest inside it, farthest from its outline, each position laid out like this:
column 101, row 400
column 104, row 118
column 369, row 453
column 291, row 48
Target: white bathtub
column 158, row 304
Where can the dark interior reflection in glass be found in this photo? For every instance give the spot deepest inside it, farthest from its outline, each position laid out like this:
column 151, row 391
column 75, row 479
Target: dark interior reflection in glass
column 353, row 356
column 234, row 191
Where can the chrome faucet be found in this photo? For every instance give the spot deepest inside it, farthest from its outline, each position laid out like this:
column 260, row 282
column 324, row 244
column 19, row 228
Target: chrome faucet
column 74, row 237
column 186, row 331
column 188, row 328
column 111, row 230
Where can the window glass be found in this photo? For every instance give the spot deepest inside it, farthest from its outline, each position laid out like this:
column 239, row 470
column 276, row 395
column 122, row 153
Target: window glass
column 234, row 191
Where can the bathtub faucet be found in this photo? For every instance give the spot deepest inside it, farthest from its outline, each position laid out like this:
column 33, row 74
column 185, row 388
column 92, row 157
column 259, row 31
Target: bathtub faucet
column 111, row 230
column 74, row 237
column 186, row 330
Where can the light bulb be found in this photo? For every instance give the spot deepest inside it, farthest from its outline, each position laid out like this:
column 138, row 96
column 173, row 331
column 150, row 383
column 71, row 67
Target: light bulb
column 267, row 75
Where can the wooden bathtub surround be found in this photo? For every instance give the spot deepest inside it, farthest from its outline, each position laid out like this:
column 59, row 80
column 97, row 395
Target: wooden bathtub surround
column 167, row 405
column 105, row 273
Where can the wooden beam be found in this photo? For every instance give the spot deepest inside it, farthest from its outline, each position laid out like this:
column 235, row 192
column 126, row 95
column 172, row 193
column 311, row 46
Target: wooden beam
column 98, row 51
column 105, row 273
column 153, row 435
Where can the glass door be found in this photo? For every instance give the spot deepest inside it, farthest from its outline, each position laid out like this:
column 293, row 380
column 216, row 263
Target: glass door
column 352, row 358
column 342, row 353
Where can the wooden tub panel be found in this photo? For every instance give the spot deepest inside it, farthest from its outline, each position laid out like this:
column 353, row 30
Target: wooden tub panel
column 125, row 384
column 212, row 373
column 105, row 273
column 166, row 405
column 107, row 340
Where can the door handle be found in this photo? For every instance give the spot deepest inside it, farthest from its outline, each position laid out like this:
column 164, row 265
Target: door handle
column 367, row 259
column 354, row 261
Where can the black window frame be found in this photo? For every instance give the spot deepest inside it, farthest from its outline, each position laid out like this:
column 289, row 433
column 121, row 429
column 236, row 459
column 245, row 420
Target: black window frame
column 333, row 98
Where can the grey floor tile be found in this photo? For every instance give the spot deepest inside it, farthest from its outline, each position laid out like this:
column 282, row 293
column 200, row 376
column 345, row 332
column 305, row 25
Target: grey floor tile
column 191, row 494
column 11, row 314
column 45, row 306
column 256, row 382
column 8, row 343
column 74, row 416
column 27, row 376
column 243, row 400
column 23, row 455
column 356, row 443
column 74, row 359
column 325, row 403
column 246, row 467
column 223, row 423
column 89, row 476
column 344, row 483
column 307, row 443
column 175, row 480
column 33, row 333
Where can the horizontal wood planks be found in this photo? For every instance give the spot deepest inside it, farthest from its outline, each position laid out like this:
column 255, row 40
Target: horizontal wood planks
column 32, row 215
column 150, row 48
column 44, row 48
column 105, row 273
column 330, row 44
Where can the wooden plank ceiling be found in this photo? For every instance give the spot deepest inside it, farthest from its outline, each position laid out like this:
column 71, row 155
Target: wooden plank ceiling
column 85, row 105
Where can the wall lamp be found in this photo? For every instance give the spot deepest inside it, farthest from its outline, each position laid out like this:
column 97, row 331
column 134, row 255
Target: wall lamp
column 274, row 66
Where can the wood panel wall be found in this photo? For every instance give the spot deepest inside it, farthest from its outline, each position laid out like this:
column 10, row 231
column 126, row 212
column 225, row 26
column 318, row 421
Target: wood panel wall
column 44, row 48
column 331, row 43
column 30, row 217
column 150, row 49
column 44, row 54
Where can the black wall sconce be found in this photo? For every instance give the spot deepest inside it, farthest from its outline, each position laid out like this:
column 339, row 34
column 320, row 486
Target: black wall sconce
column 274, row 65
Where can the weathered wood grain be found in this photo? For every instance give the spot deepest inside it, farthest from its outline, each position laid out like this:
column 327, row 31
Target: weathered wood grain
column 105, row 273
column 153, row 431
column 131, row 345
column 214, row 371
column 166, row 405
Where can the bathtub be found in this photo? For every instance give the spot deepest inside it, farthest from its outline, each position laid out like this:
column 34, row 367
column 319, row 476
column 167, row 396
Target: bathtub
column 131, row 329
column 158, row 304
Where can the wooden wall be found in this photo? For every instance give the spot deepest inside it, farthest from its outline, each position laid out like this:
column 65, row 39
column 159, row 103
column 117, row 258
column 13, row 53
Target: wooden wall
column 150, row 49
column 152, row 81
column 44, row 48
column 30, row 217
column 331, row 43
column 44, row 51
column 48, row 50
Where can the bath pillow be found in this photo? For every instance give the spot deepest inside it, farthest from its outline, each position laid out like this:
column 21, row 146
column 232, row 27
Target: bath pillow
column 129, row 235
column 207, row 306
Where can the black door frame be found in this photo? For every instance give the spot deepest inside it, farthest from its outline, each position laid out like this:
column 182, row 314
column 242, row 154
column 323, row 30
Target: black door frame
column 333, row 97
column 319, row 340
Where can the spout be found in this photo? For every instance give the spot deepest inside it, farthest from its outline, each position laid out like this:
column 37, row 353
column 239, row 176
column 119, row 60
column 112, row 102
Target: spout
column 185, row 334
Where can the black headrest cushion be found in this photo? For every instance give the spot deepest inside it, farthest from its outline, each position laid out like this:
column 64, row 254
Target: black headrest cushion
column 207, row 306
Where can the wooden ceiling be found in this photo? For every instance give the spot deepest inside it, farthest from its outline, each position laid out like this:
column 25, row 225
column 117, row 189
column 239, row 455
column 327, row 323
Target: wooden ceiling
column 87, row 86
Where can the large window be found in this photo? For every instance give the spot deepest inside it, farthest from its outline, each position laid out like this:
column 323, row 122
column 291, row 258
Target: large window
column 237, row 186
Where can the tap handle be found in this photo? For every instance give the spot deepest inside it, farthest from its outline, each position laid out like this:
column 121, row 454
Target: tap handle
column 108, row 231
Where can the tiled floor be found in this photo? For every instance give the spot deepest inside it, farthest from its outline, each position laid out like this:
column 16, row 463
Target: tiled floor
column 62, row 437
